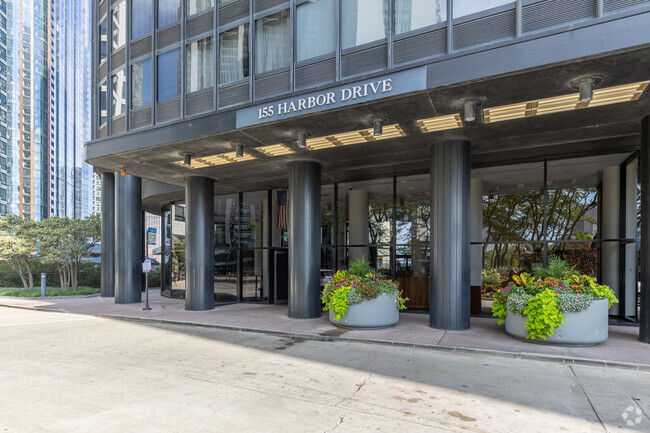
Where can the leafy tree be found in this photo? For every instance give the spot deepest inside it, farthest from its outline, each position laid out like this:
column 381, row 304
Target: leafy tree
column 16, row 245
column 64, row 242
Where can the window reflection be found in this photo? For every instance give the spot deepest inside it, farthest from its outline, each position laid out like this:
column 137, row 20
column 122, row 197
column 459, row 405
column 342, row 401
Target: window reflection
column 169, row 11
column 364, row 21
column 141, row 84
column 169, row 77
column 467, row 7
column 141, row 17
column 416, row 14
column 118, row 27
column 233, row 54
column 199, row 65
column 316, row 29
column 226, row 242
column 196, row 6
column 272, row 42
column 102, row 104
column 118, row 92
column 103, row 39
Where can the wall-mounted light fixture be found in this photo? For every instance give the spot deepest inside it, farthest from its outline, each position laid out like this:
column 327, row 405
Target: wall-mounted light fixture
column 239, row 151
column 123, row 171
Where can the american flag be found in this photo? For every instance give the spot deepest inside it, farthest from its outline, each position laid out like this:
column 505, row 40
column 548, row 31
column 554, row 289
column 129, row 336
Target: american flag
column 283, row 209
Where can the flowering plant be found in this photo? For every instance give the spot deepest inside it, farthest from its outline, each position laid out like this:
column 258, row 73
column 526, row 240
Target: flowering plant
column 347, row 288
column 544, row 300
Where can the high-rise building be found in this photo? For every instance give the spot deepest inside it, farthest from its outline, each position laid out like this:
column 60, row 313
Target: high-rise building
column 45, row 108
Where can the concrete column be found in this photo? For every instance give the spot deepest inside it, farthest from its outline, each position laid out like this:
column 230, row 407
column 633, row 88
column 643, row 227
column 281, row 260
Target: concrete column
column 630, row 233
column 108, row 235
column 359, row 215
column 304, row 240
column 450, row 235
column 610, row 224
column 128, row 239
column 644, row 317
column 199, row 243
column 476, row 251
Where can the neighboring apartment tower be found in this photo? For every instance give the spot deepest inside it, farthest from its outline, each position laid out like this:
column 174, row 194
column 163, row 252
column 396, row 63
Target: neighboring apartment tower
column 45, row 108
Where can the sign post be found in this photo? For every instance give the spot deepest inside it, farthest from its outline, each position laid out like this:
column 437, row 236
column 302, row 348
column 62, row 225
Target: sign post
column 146, row 265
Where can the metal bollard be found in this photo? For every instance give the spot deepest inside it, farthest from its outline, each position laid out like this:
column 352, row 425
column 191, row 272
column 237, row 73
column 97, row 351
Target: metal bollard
column 43, row 283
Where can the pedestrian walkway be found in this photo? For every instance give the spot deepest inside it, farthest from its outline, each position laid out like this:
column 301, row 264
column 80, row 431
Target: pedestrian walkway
column 621, row 350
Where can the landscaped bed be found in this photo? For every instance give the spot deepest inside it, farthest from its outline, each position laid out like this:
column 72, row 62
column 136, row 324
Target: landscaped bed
column 36, row 292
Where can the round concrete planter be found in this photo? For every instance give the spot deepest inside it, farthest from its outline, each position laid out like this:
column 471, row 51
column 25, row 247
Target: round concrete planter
column 377, row 313
column 584, row 328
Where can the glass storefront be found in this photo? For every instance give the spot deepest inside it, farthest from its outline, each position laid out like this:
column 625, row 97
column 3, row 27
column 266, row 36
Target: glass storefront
column 521, row 216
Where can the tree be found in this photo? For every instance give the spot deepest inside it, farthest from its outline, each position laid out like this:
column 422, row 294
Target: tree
column 65, row 242
column 16, row 245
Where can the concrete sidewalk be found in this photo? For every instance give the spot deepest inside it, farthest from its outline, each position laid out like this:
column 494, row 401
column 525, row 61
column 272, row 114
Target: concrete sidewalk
column 621, row 350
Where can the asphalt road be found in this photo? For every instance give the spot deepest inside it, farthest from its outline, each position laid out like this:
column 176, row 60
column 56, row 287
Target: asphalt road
column 72, row 373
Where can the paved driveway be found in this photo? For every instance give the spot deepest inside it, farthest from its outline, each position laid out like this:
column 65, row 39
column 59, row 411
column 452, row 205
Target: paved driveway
column 73, row 373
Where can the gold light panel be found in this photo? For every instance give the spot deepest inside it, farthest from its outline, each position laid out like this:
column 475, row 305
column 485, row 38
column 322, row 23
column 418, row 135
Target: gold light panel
column 354, row 137
column 275, row 150
column 440, row 123
column 214, row 160
column 606, row 96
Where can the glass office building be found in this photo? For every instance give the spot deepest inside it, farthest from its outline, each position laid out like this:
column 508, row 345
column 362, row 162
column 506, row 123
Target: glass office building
column 444, row 140
column 45, row 106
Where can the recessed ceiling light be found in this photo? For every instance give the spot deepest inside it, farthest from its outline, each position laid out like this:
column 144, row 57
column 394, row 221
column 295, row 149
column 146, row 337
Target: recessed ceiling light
column 354, row 137
column 557, row 104
column 440, row 123
column 275, row 150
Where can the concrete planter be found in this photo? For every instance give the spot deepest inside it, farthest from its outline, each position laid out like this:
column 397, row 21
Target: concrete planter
column 584, row 328
column 377, row 313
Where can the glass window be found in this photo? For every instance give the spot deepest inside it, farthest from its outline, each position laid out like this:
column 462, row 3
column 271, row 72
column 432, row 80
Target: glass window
column 141, row 12
column 272, row 42
column 233, row 54
column 467, row 7
column 316, row 29
column 102, row 104
column 416, row 14
column 103, row 38
column 169, row 75
column 169, row 11
column 199, row 65
column 196, row 6
column 141, row 84
column 119, row 26
column 3, row 53
column 227, row 232
column 364, row 21
column 118, row 92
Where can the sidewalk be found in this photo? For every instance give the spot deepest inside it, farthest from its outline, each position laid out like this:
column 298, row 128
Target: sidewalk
column 621, row 350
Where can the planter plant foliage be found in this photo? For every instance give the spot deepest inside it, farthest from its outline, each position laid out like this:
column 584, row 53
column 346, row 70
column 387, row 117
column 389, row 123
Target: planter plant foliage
column 547, row 295
column 360, row 282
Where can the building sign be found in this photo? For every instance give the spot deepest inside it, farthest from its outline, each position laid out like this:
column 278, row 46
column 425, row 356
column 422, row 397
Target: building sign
column 369, row 90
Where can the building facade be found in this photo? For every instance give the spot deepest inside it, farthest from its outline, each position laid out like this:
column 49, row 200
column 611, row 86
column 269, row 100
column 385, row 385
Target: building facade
column 442, row 140
column 45, row 111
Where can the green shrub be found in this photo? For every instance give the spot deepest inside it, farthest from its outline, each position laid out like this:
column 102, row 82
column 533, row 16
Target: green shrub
column 491, row 277
column 360, row 267
column 543, row 315
column 555, row 268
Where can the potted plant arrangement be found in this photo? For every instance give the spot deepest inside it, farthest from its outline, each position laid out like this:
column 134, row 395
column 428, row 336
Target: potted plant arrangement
column 557, row 305
column 362, row 298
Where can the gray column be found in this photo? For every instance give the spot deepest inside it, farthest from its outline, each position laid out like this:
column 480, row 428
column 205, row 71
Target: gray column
column 450, row 234
column 644, row 317
column 610, row 229
column 108, row 235
column 359, row 215
column 199, row 243
column 128, row 239
column 304, row 240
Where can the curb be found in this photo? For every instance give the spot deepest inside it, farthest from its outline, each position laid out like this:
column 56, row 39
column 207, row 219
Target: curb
column 565, row 360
